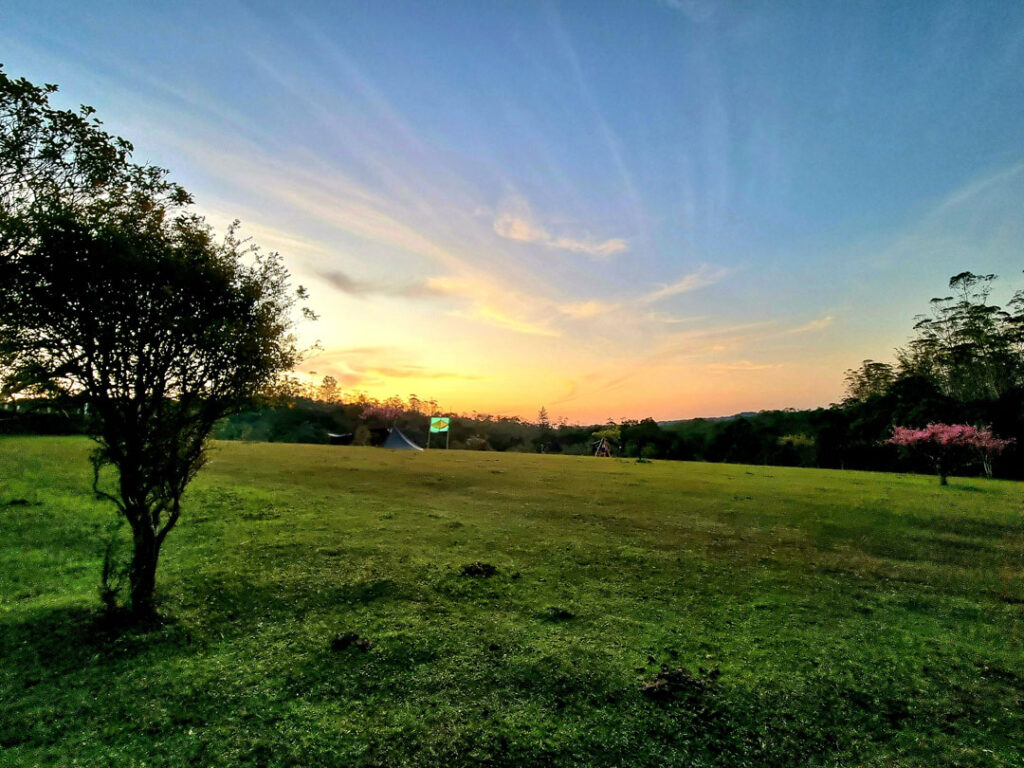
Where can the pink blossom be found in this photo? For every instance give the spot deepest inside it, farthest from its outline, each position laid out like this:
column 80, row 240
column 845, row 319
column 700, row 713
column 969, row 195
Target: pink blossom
column 949, row 436
column 943, row 442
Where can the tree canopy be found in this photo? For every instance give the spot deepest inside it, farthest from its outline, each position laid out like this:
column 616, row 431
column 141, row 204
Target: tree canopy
column 114, row 295
column 971, row 349
column 945, row 444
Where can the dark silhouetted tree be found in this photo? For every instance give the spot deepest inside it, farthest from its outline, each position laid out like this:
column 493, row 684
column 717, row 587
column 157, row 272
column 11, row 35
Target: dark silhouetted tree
column 113, row 295
column 872, row 379
column 970, row 348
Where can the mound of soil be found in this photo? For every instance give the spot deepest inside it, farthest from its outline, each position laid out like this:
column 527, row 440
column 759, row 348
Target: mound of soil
column 676, row 683
column 479, row 570
column 555, row 613
column 345, row 640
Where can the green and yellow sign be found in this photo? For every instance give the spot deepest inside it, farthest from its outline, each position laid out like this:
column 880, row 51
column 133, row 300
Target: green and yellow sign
column 439, row 423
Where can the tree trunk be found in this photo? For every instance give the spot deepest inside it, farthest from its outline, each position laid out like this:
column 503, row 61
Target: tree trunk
column 940, row 466
column 143, row 571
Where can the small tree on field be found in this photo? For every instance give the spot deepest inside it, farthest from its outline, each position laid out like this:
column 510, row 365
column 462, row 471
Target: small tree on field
column 948, row 444
column 113, row 295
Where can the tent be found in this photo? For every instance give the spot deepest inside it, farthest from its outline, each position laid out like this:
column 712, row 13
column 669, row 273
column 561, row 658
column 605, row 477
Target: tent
column 399, row 442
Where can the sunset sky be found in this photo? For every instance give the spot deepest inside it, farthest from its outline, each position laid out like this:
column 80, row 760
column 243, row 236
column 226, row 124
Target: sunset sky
column 612, row 209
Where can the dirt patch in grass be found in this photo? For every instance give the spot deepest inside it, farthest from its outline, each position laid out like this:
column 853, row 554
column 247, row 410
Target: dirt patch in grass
column 557, row 613
column 678, row 684
column 345, row 640
column 479, row 570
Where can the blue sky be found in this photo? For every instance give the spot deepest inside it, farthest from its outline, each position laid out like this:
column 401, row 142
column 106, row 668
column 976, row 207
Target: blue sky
column 615, row 209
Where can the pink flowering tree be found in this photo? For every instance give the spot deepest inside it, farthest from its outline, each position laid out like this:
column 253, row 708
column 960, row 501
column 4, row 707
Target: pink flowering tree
column 948, row 444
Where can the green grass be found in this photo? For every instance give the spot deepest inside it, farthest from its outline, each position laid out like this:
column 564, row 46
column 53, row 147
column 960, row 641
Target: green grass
column 852, row 618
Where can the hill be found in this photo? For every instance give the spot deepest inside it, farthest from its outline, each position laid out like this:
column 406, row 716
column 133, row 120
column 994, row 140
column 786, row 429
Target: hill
column 733, row 417
column 320, row 611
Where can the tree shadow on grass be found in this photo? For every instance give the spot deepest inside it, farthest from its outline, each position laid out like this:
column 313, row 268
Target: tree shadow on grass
column 56, row 641
column 928, row 549
column 49, row 656
column 973, row 527
column 233, row 605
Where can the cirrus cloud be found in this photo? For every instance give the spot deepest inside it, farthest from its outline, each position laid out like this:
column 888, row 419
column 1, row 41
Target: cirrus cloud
column 703, row 277
column 518, row 223
column 581, row 310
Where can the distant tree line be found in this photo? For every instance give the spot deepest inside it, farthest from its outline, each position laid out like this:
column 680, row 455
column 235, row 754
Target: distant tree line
column 964, row 364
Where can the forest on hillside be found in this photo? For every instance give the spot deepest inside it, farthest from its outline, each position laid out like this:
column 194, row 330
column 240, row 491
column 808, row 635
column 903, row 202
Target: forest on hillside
column 964, row 364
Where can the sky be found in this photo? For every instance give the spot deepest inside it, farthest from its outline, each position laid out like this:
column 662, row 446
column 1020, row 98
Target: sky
column 665, row 208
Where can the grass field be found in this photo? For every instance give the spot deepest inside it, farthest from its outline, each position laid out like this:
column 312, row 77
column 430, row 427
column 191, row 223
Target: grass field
column 824, row 618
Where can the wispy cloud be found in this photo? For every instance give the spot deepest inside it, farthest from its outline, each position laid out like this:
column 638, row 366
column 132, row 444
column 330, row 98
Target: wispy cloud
column 341, row 352
column 497, row 306
column 702, row 278
column 375, row 366
column 335, row 202
column 497, row 317
column 417, row 372
column 521, row 227
column 441, row 226
column 978, row 187
column 581, row 310
column 813, row 325
column 742, row 365
column 600, row 249
column 697, row 11
column 353, row 287
column 663, row 319
column 611, row 140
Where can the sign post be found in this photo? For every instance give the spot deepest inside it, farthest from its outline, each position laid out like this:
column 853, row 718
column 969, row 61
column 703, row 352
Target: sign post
column 440, row 424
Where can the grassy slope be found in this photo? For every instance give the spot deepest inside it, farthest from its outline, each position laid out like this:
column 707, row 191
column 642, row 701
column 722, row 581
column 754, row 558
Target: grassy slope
column 856, row 619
